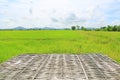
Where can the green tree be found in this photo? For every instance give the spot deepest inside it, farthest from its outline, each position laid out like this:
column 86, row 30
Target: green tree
column 114, row 28
column 109, row 28
column 73, row 27
column 104, row 28
column 82, row 28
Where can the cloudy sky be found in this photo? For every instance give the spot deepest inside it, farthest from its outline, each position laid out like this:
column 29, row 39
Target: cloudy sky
column 59, row 13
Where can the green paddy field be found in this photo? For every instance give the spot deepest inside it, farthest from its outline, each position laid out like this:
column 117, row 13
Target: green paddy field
column 13, row 43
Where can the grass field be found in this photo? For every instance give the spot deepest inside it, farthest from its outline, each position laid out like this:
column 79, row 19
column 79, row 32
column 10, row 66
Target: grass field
column 13, row 43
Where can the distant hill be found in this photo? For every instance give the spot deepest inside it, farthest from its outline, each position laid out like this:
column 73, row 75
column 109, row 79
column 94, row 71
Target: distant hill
column 19, row 28
column 48, row 28
column 44, row 28
column 34, row 28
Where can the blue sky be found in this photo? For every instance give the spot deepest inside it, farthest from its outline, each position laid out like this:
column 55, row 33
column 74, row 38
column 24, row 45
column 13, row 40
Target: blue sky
column 59, row 13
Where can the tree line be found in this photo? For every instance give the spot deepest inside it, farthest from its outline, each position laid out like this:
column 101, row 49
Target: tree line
column 110, row 28
column 78, row 28
column 106, row 28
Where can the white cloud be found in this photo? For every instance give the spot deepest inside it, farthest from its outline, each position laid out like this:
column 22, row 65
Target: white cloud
column 58, row 13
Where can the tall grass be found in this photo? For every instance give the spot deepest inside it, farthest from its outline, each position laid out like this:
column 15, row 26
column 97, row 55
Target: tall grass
column 13, row 43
